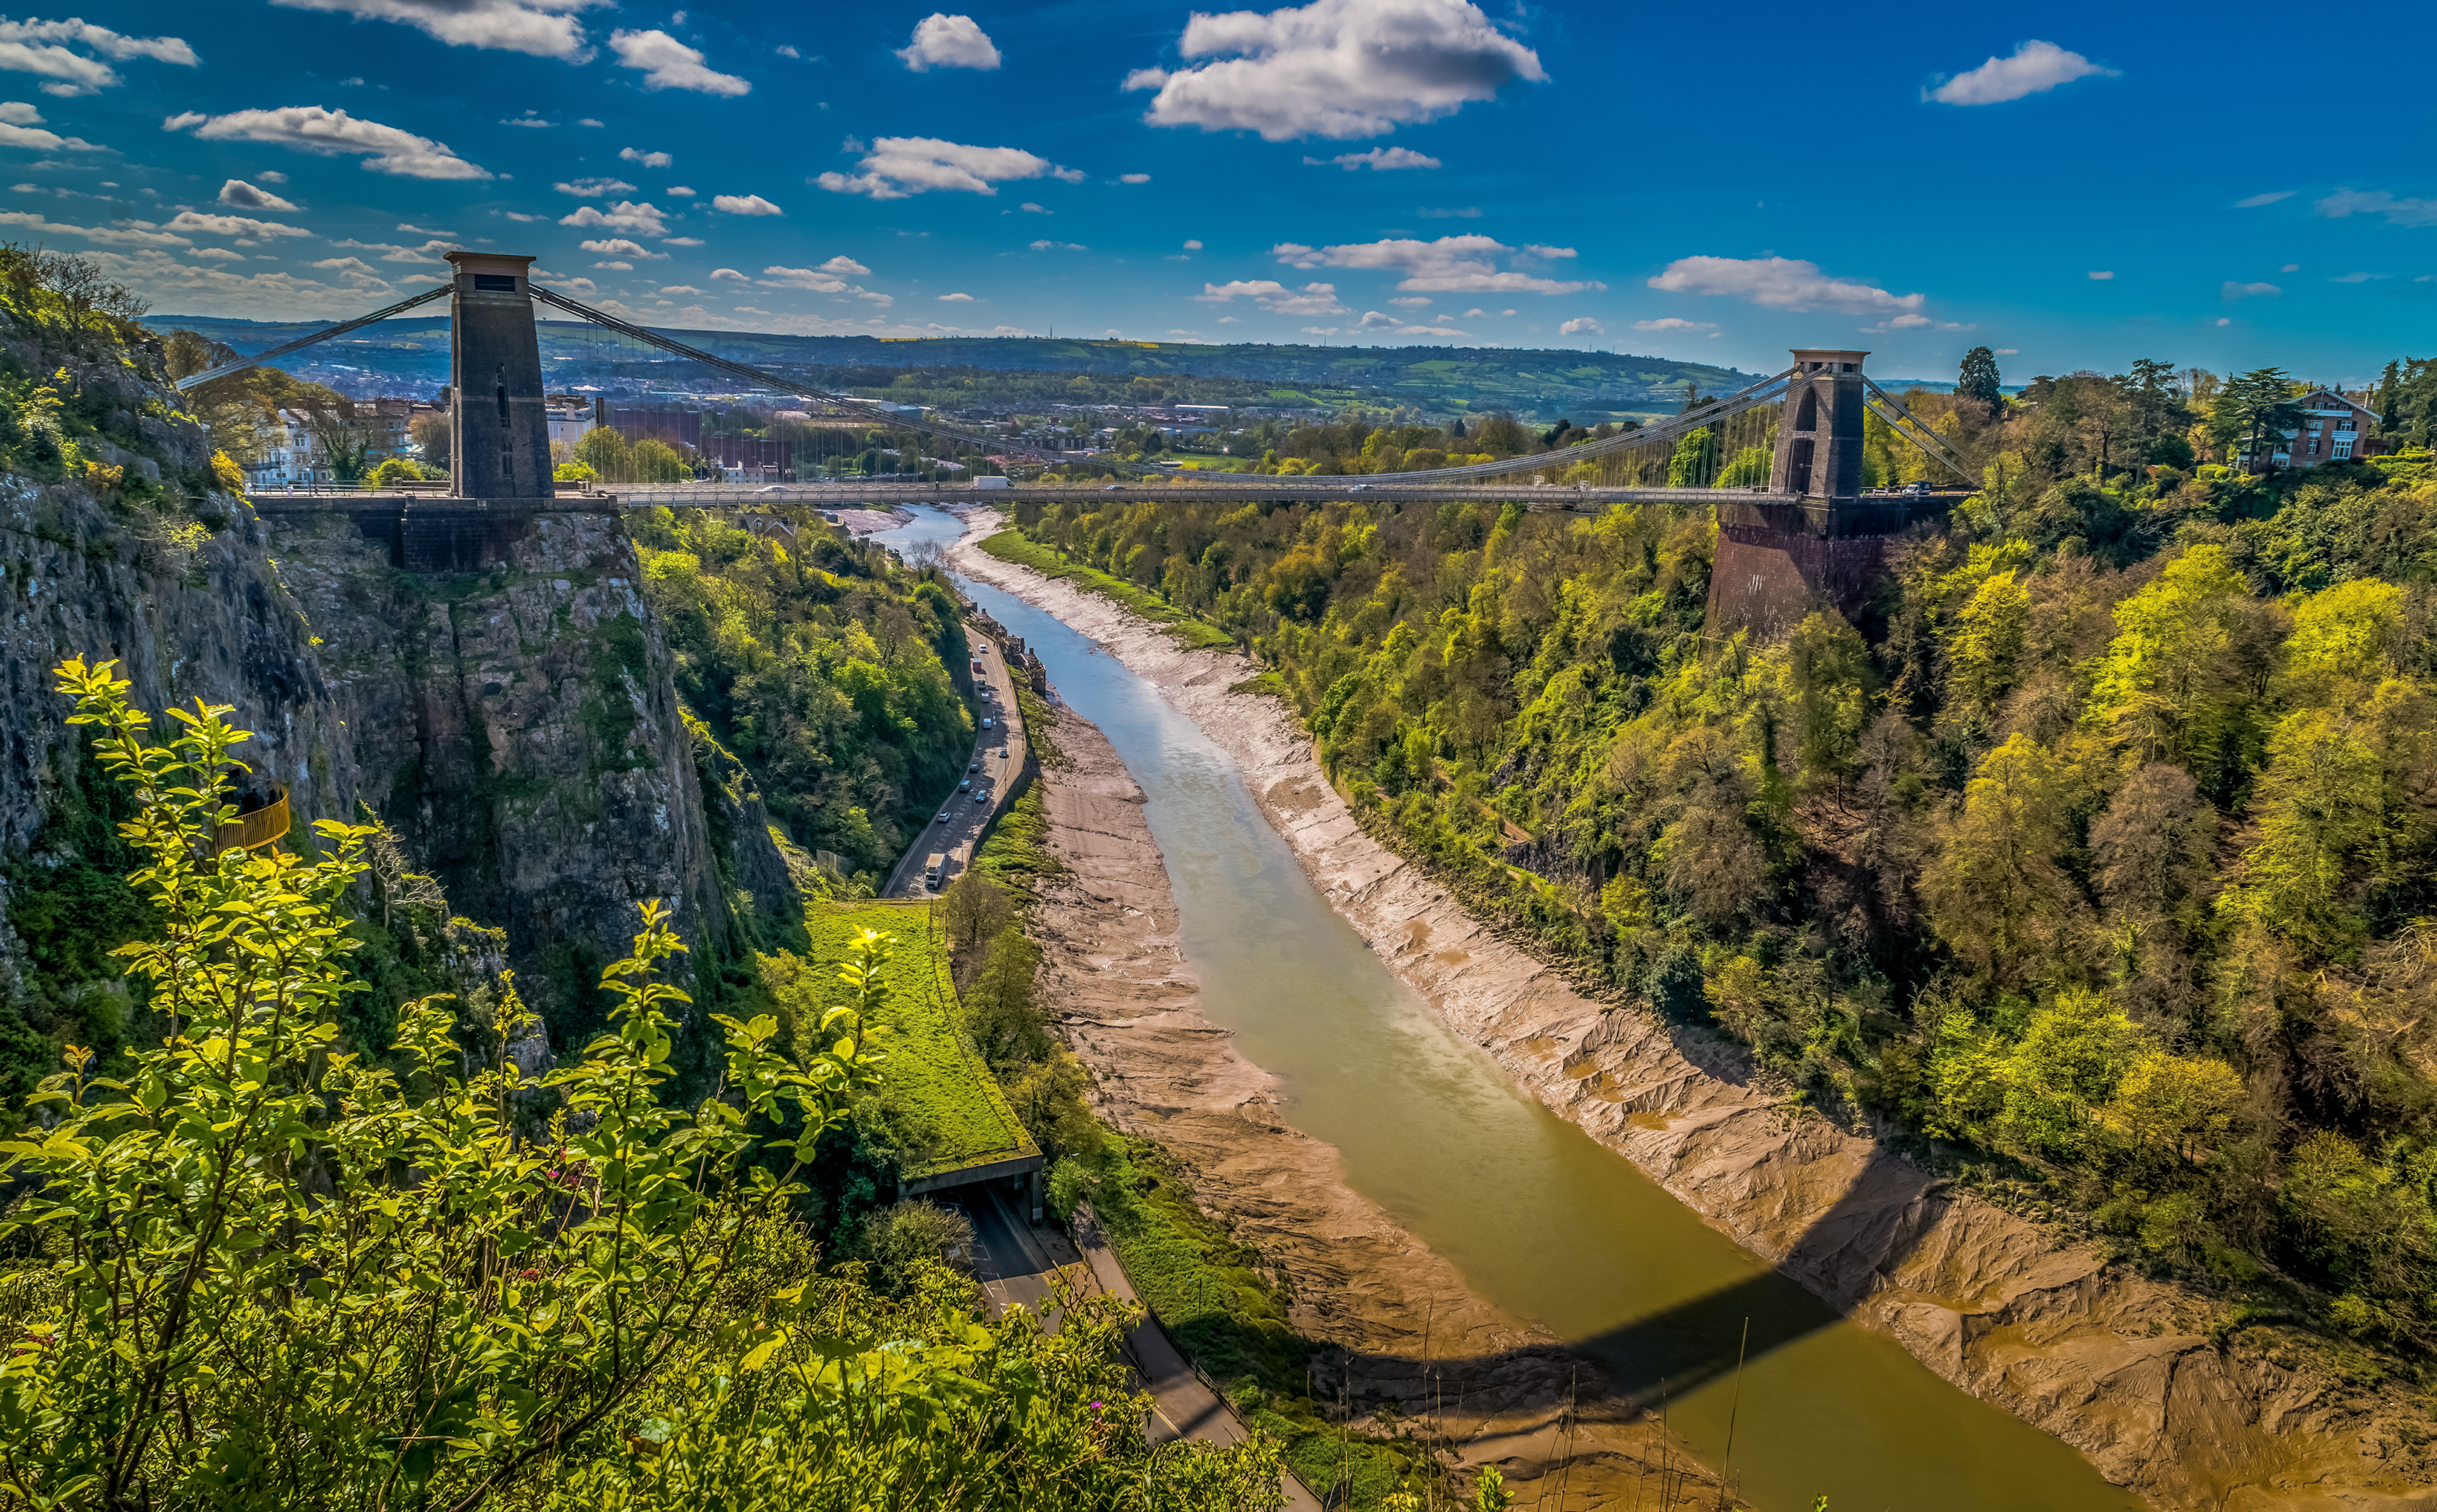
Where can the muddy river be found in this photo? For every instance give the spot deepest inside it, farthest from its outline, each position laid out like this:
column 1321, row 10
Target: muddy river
column 1540, row 1220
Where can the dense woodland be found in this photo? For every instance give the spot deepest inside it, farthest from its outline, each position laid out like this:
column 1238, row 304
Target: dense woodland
column 2096, row 858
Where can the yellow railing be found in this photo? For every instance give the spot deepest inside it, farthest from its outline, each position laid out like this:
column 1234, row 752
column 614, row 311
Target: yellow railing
column 255, row 830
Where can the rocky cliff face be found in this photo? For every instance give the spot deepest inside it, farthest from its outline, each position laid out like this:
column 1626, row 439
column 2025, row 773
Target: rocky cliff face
column 520, row 728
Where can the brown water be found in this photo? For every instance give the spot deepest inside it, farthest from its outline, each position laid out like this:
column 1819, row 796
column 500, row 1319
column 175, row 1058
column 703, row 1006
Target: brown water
column 1539, row 1218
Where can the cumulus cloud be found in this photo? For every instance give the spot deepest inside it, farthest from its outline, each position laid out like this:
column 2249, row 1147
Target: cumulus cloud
column 897, row 167
column 1412, row 302
column 1193, row 246
column 677, row 191
column 393, row 253
column 2398, row 212
column 1133, row 177
column 117, row 234
column 727, row 272
column 218, row 254
column 2232, row 290
column 1335, row 68
column 531, row 118
column 1674, row 324
column 1582, row 324
column 352, row 267
column 843, row 265
column 949, row 42
column 174, row 283
column 830, row 278
column 1451, row 265
column 594, row 188
column 681, row 241
column 312, row 129
column 1274, row 297
column 2035, row 68
column 1782, row 283
column 620, row 247
column 955, row 299
column 544, row 29
column 649, row 160
column 643, row 219
column 21, row 127
column 668, row 64
column 744, row 204
column 1380, row 158
column 194, row 223
column 241, row 194
column 46, row 49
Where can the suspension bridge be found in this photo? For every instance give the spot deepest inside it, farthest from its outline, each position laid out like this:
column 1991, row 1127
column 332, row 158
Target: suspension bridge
column 1781, row 460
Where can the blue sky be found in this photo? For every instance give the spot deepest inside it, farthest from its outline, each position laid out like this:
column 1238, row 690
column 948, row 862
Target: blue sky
column 2098, row 184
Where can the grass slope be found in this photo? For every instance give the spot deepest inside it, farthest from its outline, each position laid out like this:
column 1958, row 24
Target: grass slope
column 931, row 1067
column 1010, row 546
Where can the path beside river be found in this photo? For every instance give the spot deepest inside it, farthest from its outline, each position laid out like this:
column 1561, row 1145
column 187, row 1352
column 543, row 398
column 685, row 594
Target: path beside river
column 2120, row 1367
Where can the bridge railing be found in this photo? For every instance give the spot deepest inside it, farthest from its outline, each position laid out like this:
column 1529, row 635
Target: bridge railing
column 251, row 831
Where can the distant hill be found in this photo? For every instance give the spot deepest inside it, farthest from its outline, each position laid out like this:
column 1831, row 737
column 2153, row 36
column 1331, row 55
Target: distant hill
column 411, row 355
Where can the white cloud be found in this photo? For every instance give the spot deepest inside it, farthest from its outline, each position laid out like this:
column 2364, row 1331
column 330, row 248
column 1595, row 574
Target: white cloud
column 617, row 266
column 1474, row 314
column 955, row 299
column 2345, row 203
column 207, row 225
column 529, row 118
column 588, row 121
column 1031, row 209
column 1412, row 302
column 778, row 276
column 2102, row 275
column 727, row 272
column 679, row 288
column 119, row 234
column 643, row 219
column 744, row 204
column 681, row 241
column 354, row 267
column 620, row 247
column 1334, row 68
column 594, row 188
column 520, row 217
column 2009, row 352
column 243, row 195
column 2035, row 68
column 1674, row 324
column 2290, row 268
column 1581, row 324
column 1781, row 283
column 393, row 253
column 668, row 64
column 898, row 167
column 1274, row 297
column 844, row 266
column 2223, row 320
column 312, row 129
column 2232, row 290
column 1060, row 245
column 679, row 191
column 1382, row 159
column 545, row 28
column 1451, row 265
column 2267, row 198
column 171, row 283
column 19, row 127
column 45, row 49
column 1133, row 177
column 2358, row 278
column 1193, row 246
column 949, row 42
column 271, row 176
column 1465, row 213
column 217, row 255
column 649, row 160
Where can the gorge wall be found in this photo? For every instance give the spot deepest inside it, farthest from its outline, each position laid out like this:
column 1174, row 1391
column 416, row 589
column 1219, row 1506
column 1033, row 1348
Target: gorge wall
column 519, row 729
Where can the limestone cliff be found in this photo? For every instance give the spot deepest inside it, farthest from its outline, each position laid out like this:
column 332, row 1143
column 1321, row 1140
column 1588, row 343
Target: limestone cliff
column 520, row 727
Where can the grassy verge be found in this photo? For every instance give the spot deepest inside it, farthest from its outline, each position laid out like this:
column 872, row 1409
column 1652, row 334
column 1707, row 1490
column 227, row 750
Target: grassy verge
column 932, row 1069
column 1017, row 854
column 1015, row 547
column 1230, row 1315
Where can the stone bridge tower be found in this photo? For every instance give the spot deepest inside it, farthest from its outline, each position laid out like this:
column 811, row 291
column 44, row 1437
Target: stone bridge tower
column 1814, row 539
column 499, row 434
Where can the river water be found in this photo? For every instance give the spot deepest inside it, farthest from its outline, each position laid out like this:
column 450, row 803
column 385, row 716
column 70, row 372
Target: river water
column 1539, row 1218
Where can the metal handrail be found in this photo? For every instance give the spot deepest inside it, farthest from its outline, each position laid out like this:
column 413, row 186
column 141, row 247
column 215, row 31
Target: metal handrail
column 264, row 825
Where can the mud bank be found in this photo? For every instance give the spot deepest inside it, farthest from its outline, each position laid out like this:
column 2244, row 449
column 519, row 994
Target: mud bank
column 2119, row 1366
column 1376, row 1296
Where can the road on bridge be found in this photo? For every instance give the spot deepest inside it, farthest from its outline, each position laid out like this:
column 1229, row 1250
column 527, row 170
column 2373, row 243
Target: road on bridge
column 998, row 754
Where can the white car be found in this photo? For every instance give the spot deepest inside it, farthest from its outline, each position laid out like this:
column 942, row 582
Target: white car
column 943, row 819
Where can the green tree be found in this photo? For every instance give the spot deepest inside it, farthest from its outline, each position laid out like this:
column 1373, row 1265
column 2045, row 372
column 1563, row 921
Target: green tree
column 458, row 1300
column 1997, row 889
column 1978, row 378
